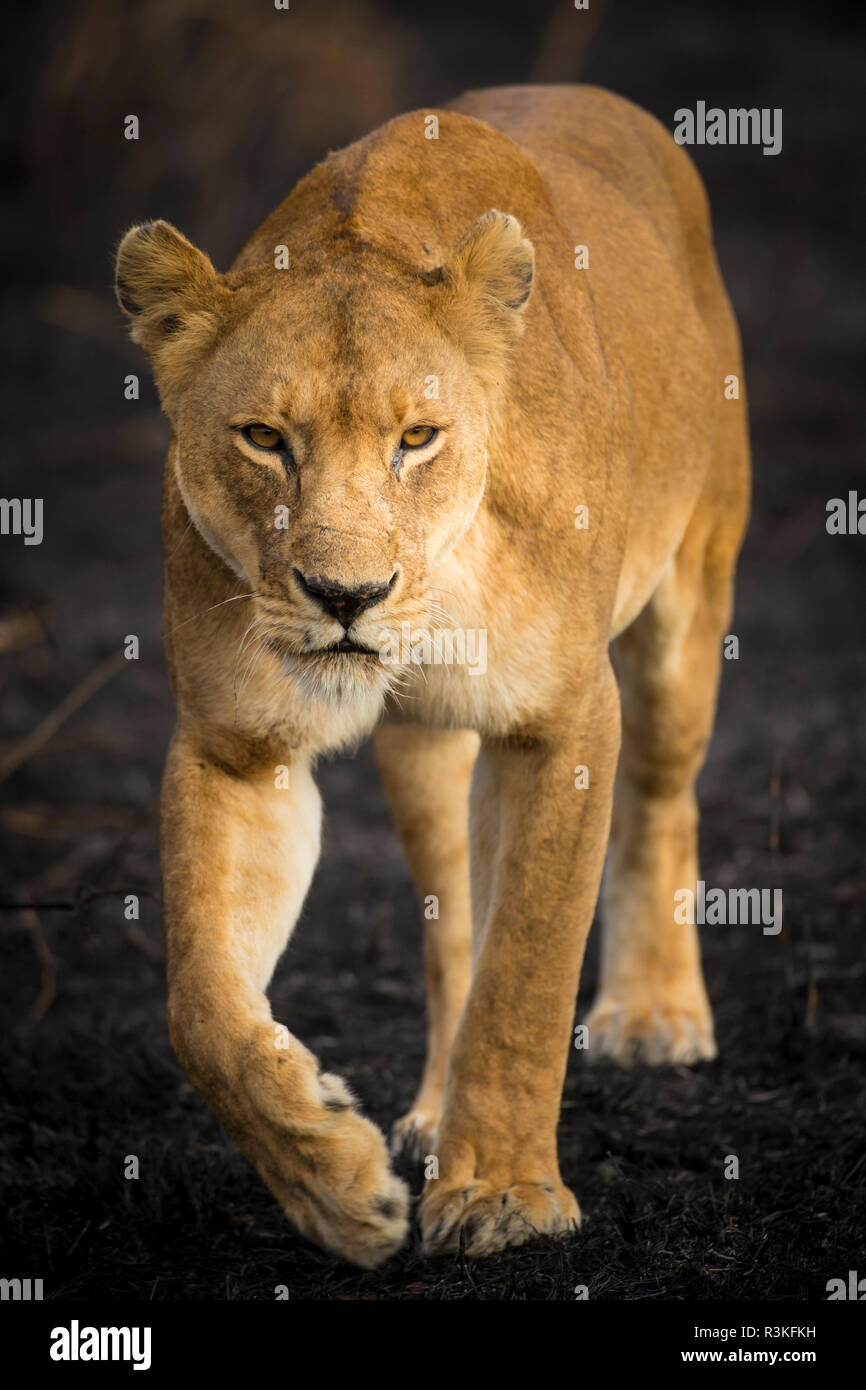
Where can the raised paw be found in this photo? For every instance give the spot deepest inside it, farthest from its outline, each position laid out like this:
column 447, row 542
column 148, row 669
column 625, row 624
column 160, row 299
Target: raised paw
column 492, row 1218
column 338, row 1188
column 658, row 1034
column 325, row 1163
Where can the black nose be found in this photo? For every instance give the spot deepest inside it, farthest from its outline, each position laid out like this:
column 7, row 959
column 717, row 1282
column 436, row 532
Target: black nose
column 344, row 604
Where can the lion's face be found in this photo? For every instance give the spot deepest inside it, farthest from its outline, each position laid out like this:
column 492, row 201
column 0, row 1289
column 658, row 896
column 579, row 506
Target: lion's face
column 331, row 425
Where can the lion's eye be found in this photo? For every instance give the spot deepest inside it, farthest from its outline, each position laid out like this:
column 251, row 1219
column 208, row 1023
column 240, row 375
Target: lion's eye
column 264, row 437
column 418, row 436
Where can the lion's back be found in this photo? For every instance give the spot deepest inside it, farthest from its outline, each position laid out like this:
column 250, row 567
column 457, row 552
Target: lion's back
column 594, row 147
column 616, row 174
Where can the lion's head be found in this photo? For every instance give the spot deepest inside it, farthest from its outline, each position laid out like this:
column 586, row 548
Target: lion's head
column 330, row 423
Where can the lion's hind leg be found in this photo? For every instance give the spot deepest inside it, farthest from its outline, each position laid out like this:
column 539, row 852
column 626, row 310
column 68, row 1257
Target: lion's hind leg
column 652, row 1005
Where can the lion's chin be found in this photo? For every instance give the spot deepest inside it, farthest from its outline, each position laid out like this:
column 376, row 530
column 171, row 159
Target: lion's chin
column 339, row 677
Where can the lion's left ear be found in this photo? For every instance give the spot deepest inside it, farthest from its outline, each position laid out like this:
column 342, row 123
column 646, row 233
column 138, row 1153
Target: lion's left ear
column 495, row 258
column 172, row 295
column 487, row 281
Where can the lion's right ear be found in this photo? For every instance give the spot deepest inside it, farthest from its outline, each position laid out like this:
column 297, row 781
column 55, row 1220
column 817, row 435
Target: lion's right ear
column 171, row 293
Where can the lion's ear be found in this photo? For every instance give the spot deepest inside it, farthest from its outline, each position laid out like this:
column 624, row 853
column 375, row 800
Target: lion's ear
column 488, row 280
column 495, row 258
column 170, row 292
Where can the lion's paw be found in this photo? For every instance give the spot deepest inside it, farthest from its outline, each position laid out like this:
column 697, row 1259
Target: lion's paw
column 333, row 1177
column 492, row 1219
column 415, row 1135
column 658, row 1034
column 347, row 1198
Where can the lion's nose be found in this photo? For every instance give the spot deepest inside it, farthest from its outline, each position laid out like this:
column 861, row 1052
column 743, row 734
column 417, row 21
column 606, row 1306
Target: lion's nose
column 342, row 603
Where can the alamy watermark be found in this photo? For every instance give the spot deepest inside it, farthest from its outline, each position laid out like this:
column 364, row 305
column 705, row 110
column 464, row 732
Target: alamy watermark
column 20, row 1290
column 442, row 647
column 734, row 907
column 77, row 1343
column 22, row 516
column 737, row 126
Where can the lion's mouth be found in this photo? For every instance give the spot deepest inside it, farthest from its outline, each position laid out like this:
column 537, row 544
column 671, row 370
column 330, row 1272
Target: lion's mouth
column 345, row 647
column 344, row 651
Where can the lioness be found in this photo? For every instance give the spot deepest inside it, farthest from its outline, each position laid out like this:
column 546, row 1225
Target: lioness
column 469, row 377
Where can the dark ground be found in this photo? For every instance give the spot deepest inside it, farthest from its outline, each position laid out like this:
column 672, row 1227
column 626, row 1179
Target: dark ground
column 87, row 1075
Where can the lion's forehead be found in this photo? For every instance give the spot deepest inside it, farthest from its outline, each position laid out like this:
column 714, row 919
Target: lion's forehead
column 348, row 400
column 362, row 364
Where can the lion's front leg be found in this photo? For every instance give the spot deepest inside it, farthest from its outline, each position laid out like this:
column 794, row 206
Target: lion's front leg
column 238, row 855
column 499, row 1179
column 426, row 774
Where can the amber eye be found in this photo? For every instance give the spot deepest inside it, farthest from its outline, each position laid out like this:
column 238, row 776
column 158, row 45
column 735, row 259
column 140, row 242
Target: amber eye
column 264, row 437
column 418, row 436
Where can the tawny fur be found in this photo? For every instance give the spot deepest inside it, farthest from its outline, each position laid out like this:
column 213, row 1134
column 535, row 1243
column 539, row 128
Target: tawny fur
column 433, row 282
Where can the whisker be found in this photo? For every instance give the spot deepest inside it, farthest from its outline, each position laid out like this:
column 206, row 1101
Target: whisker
column 186, row 528
column 241, row 645
column 232, row 599
column 258, row 651
column 438, row 612
column 446, row 592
